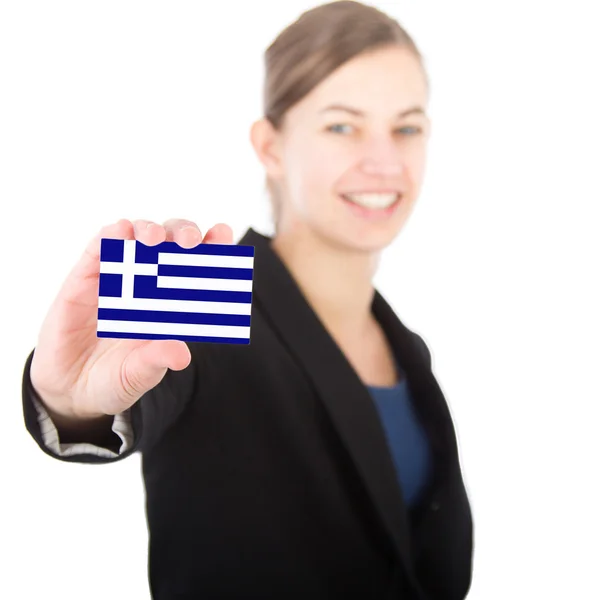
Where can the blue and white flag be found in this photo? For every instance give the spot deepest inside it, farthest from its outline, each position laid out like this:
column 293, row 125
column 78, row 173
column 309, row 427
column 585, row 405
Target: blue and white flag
column 200, row 294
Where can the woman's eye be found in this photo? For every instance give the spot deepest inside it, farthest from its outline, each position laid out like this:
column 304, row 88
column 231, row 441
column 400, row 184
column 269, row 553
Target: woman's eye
column 341, row 128
column 413, row 130
column 336, row 126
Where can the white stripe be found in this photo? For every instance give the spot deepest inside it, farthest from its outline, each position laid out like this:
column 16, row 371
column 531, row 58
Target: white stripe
column 191, row 306
column 204, row 283
column 128, row 270
column 116, row 268
column 205, row 260
column 173, row 328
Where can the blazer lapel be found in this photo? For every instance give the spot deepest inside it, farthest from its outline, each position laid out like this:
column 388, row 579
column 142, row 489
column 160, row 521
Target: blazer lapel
column 345, row 397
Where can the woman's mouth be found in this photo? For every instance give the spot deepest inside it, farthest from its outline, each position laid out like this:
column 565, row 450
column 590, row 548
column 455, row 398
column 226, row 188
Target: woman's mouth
column 372, row 205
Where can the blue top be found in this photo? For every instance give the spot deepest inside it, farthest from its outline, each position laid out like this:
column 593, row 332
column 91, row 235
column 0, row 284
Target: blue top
column 406, row 437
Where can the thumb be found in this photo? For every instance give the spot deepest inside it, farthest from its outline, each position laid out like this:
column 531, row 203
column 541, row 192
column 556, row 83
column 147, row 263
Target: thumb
column 146, row 366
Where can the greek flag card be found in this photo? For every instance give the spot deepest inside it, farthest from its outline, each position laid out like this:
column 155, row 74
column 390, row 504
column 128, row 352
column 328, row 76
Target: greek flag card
column 200, row 294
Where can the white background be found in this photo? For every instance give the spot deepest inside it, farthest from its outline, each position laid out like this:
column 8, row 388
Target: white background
column 125, row 109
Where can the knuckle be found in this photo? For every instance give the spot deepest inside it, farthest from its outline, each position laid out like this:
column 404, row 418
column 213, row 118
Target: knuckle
column 188, row 223
column 131, row 383
column 113, row 227
column 171, row 223
column 180, row 223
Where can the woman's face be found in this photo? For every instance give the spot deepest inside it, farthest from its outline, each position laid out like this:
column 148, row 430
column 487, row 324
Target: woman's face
column 361, row 131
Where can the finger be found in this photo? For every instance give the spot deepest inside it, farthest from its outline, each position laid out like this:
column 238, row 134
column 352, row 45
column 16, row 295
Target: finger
column 221, row 233
column 88, row 265
column 184, row 232
column 149, row 232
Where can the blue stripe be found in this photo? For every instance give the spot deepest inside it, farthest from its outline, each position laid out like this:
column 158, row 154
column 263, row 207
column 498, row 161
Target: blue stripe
column 148, row 254
column 184, row 338
column 165, row 316
column 212, row 272
column 146, row 287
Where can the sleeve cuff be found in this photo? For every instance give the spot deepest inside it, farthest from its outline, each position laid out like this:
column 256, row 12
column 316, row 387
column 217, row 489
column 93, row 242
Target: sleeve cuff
column 122, row 427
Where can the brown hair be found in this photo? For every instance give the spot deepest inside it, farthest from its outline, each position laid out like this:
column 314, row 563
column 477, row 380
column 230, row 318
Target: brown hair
column 314, row 46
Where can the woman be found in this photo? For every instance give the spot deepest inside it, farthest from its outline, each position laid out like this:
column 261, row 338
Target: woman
column 320, row 461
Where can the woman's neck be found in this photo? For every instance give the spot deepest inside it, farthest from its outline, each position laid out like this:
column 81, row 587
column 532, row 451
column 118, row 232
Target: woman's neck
column 336, row 282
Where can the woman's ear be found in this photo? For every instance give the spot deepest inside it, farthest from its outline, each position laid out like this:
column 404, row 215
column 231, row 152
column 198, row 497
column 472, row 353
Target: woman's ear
column 265, row 140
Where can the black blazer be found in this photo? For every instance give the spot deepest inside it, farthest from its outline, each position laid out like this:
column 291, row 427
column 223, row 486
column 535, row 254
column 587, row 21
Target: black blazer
column 267, row 473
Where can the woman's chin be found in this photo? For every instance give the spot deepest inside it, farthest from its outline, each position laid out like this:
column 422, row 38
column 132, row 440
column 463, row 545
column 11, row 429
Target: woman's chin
column 362, row 240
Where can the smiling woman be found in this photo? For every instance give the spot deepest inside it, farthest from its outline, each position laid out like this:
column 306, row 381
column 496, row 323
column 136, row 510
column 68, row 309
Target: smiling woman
column 334, row 53
column 320, row 460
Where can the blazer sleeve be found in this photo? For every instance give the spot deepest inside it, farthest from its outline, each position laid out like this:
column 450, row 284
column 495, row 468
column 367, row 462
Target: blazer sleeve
column 138, row 428
column 121, row 426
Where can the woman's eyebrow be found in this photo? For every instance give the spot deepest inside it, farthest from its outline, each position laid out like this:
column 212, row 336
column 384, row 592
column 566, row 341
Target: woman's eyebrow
column 354, row 111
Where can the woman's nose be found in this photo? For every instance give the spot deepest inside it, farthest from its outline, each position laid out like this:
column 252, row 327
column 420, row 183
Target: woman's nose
column 382, row 158
column 387, row 166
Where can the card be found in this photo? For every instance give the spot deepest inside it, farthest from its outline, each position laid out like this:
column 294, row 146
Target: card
column 166, row 292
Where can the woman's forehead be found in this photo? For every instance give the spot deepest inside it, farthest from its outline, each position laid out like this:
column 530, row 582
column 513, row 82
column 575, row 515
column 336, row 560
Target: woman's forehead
column 367, row 84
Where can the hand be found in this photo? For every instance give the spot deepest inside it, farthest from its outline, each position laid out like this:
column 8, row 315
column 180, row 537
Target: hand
column 79, row 376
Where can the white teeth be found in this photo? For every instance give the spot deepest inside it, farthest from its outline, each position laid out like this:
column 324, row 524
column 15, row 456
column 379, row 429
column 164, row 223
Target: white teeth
column 373, row 200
